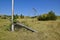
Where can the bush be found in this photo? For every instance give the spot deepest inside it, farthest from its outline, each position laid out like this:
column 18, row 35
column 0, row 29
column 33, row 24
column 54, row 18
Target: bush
column 21, row 16
column 50, row 16
column 39, row 18
column 4, row 17
column 15, row 18
column 42, row 17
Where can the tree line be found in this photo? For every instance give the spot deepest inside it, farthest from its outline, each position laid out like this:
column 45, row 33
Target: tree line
column 47, row 16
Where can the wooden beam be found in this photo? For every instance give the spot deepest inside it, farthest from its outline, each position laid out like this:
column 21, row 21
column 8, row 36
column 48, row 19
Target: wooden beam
column 24, row 26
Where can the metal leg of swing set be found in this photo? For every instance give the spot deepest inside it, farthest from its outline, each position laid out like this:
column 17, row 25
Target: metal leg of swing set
column 12, row 28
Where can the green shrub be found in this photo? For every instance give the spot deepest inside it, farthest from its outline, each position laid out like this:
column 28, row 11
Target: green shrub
column 3, row 17
column 50, row 16
column 15, row 18
column 42, row 17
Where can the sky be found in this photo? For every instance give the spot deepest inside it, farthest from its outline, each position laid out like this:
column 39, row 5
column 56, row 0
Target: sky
column 26, row 7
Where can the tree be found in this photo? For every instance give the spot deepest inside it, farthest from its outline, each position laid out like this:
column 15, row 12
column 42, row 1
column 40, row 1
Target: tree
column 51, row 16
column 21, row 16
column 15, row 18
column 42, row 17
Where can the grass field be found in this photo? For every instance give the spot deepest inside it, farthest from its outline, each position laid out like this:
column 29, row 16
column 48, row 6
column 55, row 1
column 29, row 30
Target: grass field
column 47, row 30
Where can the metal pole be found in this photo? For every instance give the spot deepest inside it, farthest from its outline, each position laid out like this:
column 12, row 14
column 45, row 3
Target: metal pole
column 12, row 15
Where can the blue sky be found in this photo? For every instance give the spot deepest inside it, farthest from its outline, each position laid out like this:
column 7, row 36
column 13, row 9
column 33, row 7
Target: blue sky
column 25, row 7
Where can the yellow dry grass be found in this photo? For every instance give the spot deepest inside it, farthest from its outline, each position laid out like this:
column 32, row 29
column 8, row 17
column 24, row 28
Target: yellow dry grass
column 47, row 30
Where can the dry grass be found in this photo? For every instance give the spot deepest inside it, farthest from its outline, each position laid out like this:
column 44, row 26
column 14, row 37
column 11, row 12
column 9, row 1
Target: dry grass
column 47, row 30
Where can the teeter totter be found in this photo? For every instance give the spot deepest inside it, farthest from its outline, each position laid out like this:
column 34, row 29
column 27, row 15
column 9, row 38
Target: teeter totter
column 24, row 26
